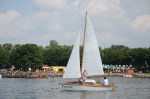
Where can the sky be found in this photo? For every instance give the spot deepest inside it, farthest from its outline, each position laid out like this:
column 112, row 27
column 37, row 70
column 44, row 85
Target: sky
column 115, row 22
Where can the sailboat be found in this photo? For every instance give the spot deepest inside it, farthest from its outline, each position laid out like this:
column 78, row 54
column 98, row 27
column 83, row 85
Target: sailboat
column 91, row 62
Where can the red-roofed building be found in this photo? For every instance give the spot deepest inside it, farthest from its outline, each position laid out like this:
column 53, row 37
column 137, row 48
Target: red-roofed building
column 46, row 67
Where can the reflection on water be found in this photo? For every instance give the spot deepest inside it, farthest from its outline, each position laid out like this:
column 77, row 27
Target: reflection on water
column 83, row 95
column 128, row 88
column 107, row 95
column 90, row 95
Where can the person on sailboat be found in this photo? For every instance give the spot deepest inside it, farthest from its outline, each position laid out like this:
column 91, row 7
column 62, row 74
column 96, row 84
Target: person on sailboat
column 105, row 82
column 84, row 76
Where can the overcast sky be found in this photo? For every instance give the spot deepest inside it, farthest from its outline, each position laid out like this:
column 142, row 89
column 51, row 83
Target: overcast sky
column 116, row 22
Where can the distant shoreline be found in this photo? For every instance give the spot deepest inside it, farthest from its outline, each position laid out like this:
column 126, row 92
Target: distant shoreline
column 137, row 75
column 41, row 75
column 140, row 75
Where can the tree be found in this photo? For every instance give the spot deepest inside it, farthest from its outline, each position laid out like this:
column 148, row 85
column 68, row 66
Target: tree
column 28, row 55
column 57, row 55
column 31, row 55
column 4, row 58
column 52, row 43
column 140, row 56
column 7, row 46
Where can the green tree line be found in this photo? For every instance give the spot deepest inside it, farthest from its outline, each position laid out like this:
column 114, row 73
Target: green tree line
column 33, row 56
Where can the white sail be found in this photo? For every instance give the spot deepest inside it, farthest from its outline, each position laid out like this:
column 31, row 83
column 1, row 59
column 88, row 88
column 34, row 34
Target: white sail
column 73, row 66
column 92, row 61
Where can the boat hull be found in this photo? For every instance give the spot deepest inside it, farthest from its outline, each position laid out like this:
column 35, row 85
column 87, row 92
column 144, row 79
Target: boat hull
column 85, row 87
column 127, row 76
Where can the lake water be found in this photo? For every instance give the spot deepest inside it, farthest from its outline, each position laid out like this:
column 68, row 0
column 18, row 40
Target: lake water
column 18, row 88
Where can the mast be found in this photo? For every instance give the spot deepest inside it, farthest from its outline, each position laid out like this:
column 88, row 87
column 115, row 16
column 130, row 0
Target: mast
column 83, row 41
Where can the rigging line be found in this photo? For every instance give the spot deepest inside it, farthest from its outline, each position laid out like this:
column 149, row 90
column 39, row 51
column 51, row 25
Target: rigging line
column 113, row 84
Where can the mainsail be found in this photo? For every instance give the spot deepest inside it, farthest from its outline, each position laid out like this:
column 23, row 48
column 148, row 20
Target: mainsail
column 92, row 62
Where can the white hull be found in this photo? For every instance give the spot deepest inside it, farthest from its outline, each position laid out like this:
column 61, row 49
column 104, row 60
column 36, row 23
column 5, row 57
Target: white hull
column 0, row 76
column 85, row 87
column 127, row 76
